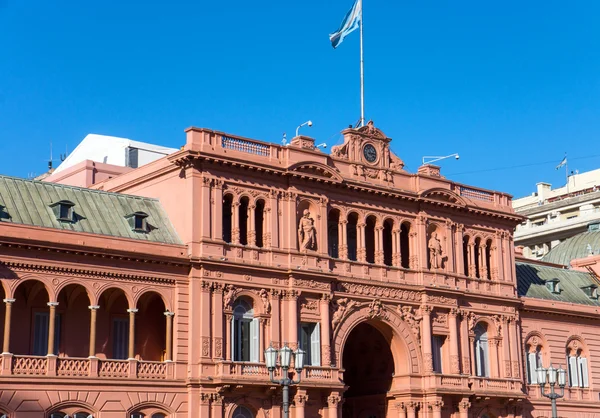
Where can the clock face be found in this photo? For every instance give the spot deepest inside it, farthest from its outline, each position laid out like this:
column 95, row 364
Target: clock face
column 370, row 153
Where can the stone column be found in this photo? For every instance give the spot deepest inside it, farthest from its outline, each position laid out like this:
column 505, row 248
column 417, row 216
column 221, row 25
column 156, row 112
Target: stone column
column 454, row 356
column 472, row 350
column 515, row 343
column 205, row 197
column 252, row 225
column 472, row 255
column 132, row 313
column 325, row 330
column 396, row 255
column 273, row 218
column 228, row 348
column 413, row 253
column 483, row 271
column 436, row 408
column 411, row 410
column 421, row 249
column 300, row 402
column 460, row 256
column 217, row 326
column 217, row 405
column 292, row 296
column 450, row 248
column 204, row 323
column 426, row 340
column 235, row 222
column 343, row 238
column 93, row 311
column 333, row 401
column 6, row 341
column 321, row 225
column 463, row 408
column 498, row 257
column 495, row 356
column 261, row 339
column 169, row 339
column 361, row 241
column 379, row 244
column 401, row 410
column 275, row 319
column 51, row 325
column 464, row 338
column 506, row 357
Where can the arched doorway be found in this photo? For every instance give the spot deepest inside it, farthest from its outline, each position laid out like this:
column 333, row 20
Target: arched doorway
column 368, row 370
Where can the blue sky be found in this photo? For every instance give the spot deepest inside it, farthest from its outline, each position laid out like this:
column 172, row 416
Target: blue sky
column 511, row 85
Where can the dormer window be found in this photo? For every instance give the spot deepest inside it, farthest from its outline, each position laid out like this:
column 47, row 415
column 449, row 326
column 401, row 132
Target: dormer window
column 137, row 221
column 553, row 286
column 591, row 291
column 63, row 210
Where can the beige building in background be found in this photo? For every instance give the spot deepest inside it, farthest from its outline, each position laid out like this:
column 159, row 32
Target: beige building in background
column 554, row 215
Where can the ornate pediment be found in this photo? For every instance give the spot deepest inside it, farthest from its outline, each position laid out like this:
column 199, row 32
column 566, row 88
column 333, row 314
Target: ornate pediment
column 443, row 196
column 315, row 170
column 369, row 147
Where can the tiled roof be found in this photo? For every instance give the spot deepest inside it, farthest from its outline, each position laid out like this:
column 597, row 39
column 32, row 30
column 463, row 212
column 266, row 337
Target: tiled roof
column 532, row 279
column 573, row 248
column 28, row 202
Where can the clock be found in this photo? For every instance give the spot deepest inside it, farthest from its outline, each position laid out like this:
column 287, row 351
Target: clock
column 370, row 153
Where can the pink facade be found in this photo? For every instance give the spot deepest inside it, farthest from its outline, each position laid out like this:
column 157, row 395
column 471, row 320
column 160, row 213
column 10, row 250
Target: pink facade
column 402, row 287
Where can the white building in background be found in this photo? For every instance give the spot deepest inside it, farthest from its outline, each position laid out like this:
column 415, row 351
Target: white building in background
column 99, row 157
column 113, row 150
column 554, row 215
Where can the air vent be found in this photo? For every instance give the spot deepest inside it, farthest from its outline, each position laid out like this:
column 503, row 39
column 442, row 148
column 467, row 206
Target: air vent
column 63, row 210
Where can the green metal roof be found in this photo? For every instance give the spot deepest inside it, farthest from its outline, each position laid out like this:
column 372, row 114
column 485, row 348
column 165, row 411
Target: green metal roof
column 532, row 279
column 28, row 202
column 573, row 248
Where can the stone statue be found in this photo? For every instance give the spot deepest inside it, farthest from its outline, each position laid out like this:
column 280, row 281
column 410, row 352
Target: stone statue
column 264, row 296
column 307, row 232
column 342, row 306
column 435, row 251
column 412, row 319
column 229, row 296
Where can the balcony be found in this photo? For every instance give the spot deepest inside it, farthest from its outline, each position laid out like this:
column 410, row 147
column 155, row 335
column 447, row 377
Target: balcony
column 52, row 366
column 257, row 373
column 476, row 385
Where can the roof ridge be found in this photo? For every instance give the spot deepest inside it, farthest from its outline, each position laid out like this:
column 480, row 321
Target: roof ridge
column 66, row 186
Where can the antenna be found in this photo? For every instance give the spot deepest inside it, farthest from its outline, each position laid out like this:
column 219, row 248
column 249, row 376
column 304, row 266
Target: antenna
column 433, row 159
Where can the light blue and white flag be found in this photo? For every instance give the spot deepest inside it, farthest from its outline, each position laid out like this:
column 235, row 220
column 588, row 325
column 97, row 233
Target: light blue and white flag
column 349, row 24
column 562, row 163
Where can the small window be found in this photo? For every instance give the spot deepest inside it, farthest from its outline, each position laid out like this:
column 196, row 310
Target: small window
column 137, row 221
column 63, row 210
column 553, row 286
column 310, row 342
column 591, row 291
column 131, row 157
column 438, row 344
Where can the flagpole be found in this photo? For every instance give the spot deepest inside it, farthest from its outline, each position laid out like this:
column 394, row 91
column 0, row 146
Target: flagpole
column 567, row 172
column 362, row 71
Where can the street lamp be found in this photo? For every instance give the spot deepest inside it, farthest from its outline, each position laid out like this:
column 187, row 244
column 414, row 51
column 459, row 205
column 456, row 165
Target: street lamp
column 285, row 357
column 552, row 375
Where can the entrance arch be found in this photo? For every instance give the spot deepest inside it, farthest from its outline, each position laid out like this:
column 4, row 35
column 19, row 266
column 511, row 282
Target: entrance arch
column 379, row 352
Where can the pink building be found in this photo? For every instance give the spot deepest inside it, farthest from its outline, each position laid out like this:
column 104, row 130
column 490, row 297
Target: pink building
column 402, row 288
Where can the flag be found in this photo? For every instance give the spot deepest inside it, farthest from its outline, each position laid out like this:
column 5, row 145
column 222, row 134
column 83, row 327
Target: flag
column 562, row 163
column 350, row 23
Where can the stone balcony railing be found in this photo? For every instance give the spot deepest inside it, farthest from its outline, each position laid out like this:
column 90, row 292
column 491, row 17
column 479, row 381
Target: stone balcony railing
column 52, row 366
column 487, row 385
column 258, row 373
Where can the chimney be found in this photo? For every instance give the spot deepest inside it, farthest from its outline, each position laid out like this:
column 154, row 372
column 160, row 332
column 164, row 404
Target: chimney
column 543, row 191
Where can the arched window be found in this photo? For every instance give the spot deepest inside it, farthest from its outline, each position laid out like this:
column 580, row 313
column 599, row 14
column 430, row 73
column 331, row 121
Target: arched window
column 477, row 250
column 259, row 212
column 482, row 359
column 227, row 208
column 405, row 245
column 242, row 412
column 351, row 235
column 244, row 332
column 370, row 239
column 578, row 365
column 466, row 254
column 388, row 225
column 534, row 362
column 243, row 219
column 63, row 415
column 333, row 221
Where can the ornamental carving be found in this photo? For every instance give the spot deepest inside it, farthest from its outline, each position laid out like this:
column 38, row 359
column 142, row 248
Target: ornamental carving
column 341, row 307
column 498, row 323
column 441, row 300
column 205, row 346
column 264, row 297
column 369, row 290
column 309, row 306
column 307, row 232
column 313, row 284
column 229, row 293
column 440, row 320
column 412, row 319
column 376, row 309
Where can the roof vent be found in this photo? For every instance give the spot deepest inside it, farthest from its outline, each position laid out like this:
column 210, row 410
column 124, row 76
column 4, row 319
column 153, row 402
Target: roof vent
column 553, row 286
column 591, row 291
column 63, row 210
column 137, row 221
column 4, row 214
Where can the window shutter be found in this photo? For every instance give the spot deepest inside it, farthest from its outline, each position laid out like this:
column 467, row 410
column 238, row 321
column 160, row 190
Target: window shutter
column 40, row 338
column 233, row 343
column 583, row 368
column 315, row 345
column 532, row 368
column 573, row 379
column 254, row 346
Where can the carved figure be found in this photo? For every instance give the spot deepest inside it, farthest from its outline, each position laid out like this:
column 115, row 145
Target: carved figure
column 229, row 296
column 396, row 163
column 340, row 151
column 264, row 296
column 342, row 306
column 306, row 232
column 375, row 309
column 436, row 254
column 413, row 320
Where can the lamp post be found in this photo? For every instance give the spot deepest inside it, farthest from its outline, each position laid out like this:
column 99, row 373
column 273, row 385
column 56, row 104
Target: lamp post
column 552, row 375
column 285, row 356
